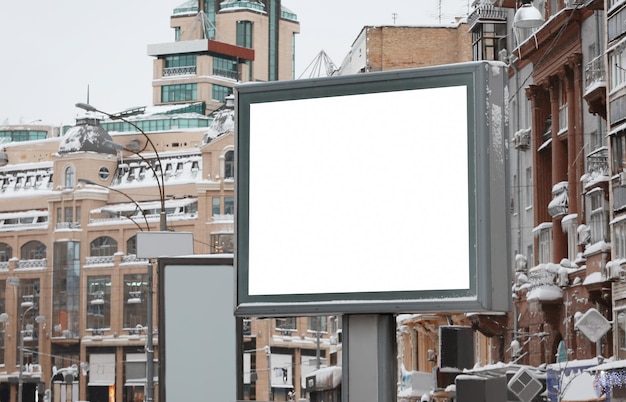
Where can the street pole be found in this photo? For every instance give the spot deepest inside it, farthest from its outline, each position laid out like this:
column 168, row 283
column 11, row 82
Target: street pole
column 160, row 180
column 20, row 380
column 149, row 397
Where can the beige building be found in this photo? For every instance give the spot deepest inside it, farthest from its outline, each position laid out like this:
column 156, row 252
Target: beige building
column 220, row 43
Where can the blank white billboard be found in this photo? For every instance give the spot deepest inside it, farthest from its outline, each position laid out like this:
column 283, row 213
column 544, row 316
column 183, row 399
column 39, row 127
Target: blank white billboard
column 362, row 191
column 381, row 192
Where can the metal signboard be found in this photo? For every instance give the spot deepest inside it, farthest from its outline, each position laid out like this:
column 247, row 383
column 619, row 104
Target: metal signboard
column 373, row 193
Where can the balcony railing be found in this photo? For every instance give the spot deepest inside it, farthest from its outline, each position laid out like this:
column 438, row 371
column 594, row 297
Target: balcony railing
column 68, row 225
column 32, row 264
column 99, row 260
column 595, row 73
column 172, row 71
column 221, row 72
column 598, row 162
column 486, row 12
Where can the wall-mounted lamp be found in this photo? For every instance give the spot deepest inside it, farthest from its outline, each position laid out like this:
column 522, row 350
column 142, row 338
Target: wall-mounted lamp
column 527, row 16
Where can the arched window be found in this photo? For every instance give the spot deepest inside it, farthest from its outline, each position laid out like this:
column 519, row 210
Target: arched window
column 33, row 250
column 103, row 246
column 229, row 165
column 131, row 245
column 6, row 252
column 69, row 176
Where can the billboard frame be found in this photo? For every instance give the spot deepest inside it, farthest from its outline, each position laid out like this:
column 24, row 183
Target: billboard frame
column 489, row 237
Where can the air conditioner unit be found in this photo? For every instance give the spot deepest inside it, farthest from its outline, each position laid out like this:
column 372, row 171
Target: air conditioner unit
column 524, row 385
column 333, row 340
column 521, row 140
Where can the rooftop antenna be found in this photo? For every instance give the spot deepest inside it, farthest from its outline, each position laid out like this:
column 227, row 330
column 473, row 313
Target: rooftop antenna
column 395, row 17
column 88, row 94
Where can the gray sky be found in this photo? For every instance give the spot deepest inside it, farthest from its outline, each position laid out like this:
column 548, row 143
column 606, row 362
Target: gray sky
column 53, row 51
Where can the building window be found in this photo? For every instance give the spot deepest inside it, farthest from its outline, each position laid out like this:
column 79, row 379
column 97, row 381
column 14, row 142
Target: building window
column 616, row 24
column 618, row 151
column 69, row 177
column 488, row 40
column 229, row 165
column 621, row 334
column 222, row 243
column 223, row 67
column 6, row 252
column 98, row 303
column 244, row 34
column 598, row 215
column 176, row 34
column 544, row 234
column 103, row 246
column 135, row 306
column 179, row 64
column 318, row 323
column 529, row 187
column 179, row 92
column 216, row 206
column 33, row 250
column 209, row 11
column 286, row 325
column 66, row 289
column 617, row 65
column 131, row 245
column 619, row 248
column 229, row 205
column 104, row 173
column 220, row 92
column 570, row 226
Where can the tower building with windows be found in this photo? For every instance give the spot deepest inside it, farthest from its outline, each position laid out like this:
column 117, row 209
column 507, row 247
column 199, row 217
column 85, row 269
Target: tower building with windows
column 219, row 43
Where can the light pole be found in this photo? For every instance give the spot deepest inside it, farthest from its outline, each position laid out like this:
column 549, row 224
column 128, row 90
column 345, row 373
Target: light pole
column 39, row 319
column 149, row 394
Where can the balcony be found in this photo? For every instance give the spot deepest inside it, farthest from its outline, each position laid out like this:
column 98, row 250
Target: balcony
column 598, row 163
column 486, row 13
column 595, row 86
column 174, row 71
column 221, row 72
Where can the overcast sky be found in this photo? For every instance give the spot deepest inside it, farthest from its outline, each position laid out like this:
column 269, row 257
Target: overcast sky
column 52, row 52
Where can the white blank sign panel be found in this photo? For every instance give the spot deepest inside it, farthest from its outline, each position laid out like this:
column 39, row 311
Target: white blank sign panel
column 359, row 193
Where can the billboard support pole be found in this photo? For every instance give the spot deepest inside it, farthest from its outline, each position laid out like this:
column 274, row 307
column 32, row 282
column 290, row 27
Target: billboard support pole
column 369, row 369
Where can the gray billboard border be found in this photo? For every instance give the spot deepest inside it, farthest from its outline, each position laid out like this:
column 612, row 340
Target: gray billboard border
column 489, row 221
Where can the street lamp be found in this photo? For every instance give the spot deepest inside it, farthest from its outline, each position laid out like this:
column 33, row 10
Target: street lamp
column 158, row 177
column 39, row 319
column 149, row 394
column 138, row 208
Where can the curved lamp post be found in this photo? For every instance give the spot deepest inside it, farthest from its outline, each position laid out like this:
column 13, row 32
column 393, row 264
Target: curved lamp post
column 149, row 394
column 138, row 208
column 39, row 319
column 158, row 177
